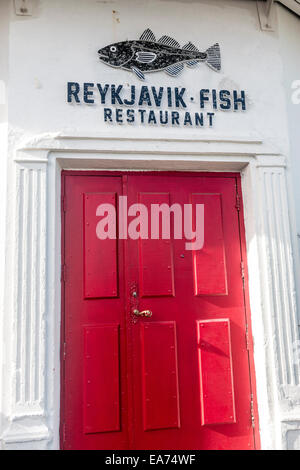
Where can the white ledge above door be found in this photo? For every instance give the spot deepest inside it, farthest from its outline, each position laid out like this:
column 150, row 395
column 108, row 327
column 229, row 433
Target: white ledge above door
column 107, row 144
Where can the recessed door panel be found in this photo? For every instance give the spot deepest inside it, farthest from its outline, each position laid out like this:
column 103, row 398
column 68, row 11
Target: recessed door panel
column 160, row 375
column 101, row 379
column 100, row 255
column 156, row 260
column 215, row 372
column 210, row 275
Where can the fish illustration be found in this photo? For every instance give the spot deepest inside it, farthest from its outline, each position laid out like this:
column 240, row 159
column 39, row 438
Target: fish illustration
column 148, row 55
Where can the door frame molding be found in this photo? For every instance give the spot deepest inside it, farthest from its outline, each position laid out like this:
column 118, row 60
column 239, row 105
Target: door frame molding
column 34, row 413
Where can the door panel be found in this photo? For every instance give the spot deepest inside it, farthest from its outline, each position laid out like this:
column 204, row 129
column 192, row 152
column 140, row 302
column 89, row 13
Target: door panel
column 156, row 261
column 159, row 354
column 100, row 266
column 219, row 296
column 95, row 404
column 102, row 382
column 215, row 372
column 210, row 262
column 178, row 379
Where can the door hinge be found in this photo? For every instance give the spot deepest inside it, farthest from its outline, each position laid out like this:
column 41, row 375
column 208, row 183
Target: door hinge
column 64, row 204
column 243, row 272
column 252, row 411
column 64, row 351
column 64, row 433
column 23, row 7
column 238, row 202
column 247, row 338
column 63, row 273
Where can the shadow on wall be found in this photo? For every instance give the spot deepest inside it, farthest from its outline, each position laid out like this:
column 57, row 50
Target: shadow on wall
column 293, row 439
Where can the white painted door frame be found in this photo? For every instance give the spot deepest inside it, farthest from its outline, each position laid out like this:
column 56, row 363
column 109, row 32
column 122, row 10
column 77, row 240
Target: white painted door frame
column 32, row 328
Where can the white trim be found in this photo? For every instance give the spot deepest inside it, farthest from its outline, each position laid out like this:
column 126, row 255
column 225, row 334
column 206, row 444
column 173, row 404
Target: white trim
column 292, row 5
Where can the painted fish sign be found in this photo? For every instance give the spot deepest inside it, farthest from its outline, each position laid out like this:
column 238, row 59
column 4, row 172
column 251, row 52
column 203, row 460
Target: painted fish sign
column 148, row 55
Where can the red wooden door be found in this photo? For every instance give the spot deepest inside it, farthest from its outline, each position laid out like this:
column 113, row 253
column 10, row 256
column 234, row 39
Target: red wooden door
column 180, row 379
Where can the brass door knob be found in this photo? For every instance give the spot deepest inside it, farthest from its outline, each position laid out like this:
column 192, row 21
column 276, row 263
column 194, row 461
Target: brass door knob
column 144, row 313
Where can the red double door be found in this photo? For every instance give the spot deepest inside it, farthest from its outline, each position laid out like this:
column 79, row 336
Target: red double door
column 181, row 378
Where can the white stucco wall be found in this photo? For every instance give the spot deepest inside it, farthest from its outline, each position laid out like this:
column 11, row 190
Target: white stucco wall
column 71, row 32
column 4, row 52
column 289, row 39
column 59, row 43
